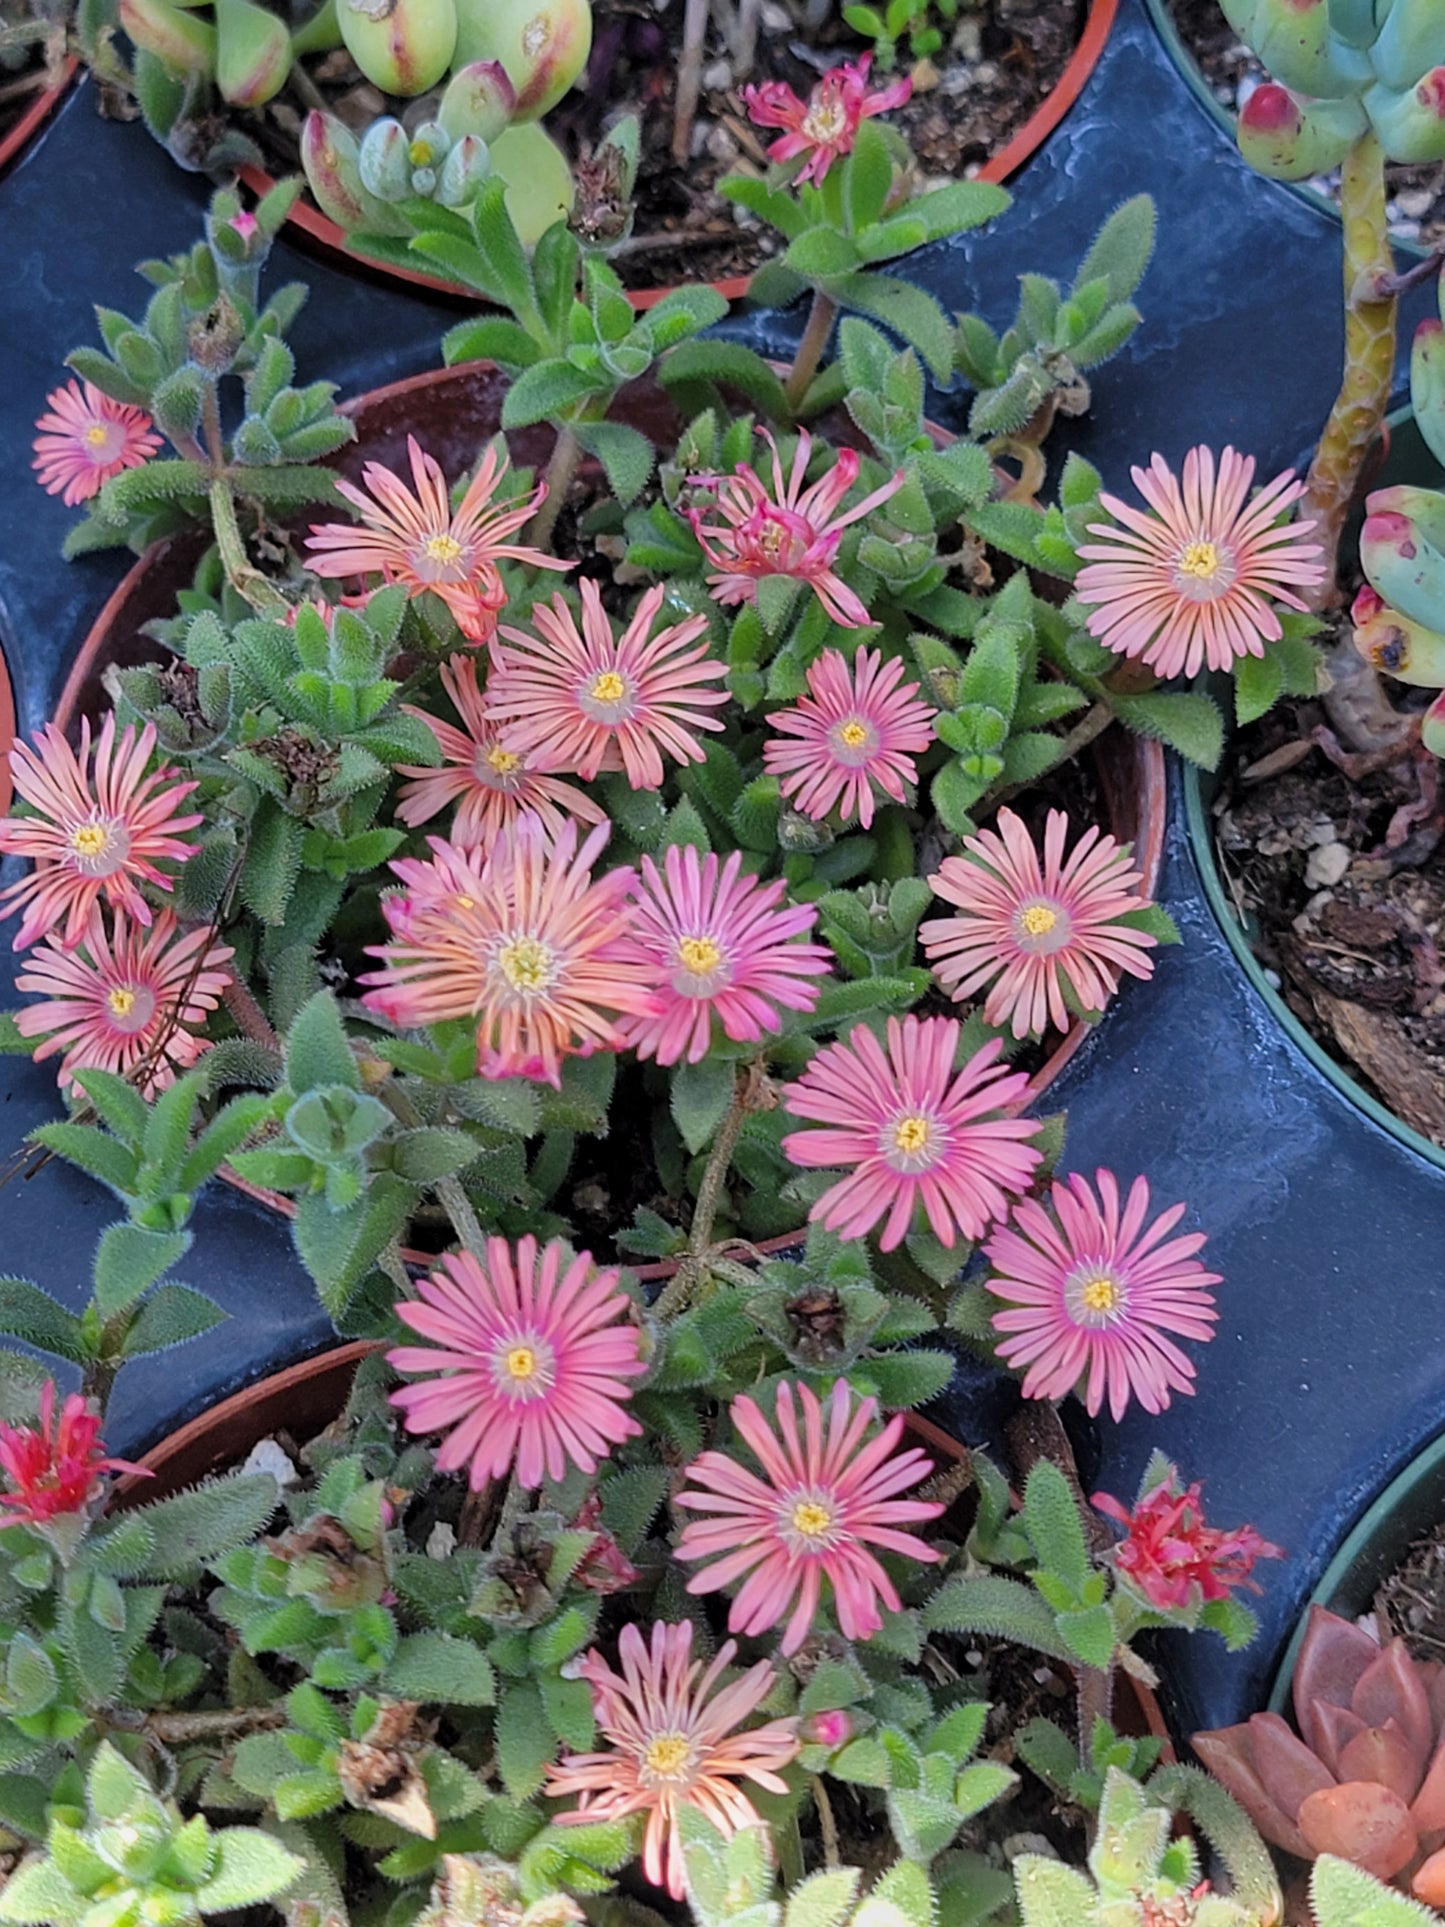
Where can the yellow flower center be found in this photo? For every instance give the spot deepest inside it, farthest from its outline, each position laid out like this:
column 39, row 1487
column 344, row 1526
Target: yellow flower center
column 521, row 1361
column 608, row 687
column 121, row 1001
column 89, row 839
column 811, row 1519
column 853, row 734
column 1038, row 919
column 526, row 964
column 97, row 435
column 667, row 1755
column 1100, row 1293
column 420, row 154
column 700, row 955
column 825, row 121
column 442, row 548
column 503, row 762
column 1200, row 559
column 911, row 1135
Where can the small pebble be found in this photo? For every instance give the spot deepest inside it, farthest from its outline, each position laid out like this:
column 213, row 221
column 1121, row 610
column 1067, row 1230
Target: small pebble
column 1273, row 979
column 776, row 19
column 441, row 1541
column 717, row 77
column 985, row 73
column 1327, row 865
column 720, row 144
column 267, row 1456
column 1413, row 202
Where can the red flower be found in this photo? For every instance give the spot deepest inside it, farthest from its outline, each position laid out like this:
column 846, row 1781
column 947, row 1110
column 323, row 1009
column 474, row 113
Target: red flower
column 54, row 1467
column 825, row 126
column 1170, row 1555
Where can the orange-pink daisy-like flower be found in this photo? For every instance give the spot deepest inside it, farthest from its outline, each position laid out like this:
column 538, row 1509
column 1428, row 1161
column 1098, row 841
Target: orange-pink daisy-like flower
column 857, row 733
column 1029, row 930
column 490, row 784
column 524, row 940
column 826, row 125
column 824, row 1499
column 717, row 941
column 122, row 1002
column 534, row 1354
column 417, row 539
column 912, row 1131
column 596, row 701
column 86, row 439
column 54, row 1468
column 793, row 531
column 1190, row 583
column 1096, row 1292
column 674, row 1739
column 100, row 829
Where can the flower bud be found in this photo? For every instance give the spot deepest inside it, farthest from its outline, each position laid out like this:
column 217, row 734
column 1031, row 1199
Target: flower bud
column 1291, row 140
column 402, row 46
column 542, row 44
column 1427, row 385
column 479, row 100
column 1406, row 650
column 253, row 53
column 178, row 39
column 385, row 160
column 332, row 160
column 1409, row 44
column 465, row 168
column 827, row 1729
column 1411, row 125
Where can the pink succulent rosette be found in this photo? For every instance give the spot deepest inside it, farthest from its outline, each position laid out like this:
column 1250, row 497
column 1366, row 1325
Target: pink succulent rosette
column 55, row 1468
column 675, row 1737
column 1094, row 1293
column 717, row 943
column 911, row 1131
column 531, row 1359
column 1189, row 584
column 825, row 126
column 853, row 736
column 86, row 440
column 827, row 1498
column 1027, row 930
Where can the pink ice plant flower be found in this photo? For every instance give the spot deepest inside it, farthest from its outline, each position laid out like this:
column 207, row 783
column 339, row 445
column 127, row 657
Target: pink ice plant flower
column 489, row 784
column 718, row 943
column 416, row 538
column 675, row 1737
column 853, row 735
column 789, row 530
column 1094, row 1293
column 101, row 828
column 1190, row 582
column 529, row 1359
column 826, row 125
column 55, row 1468
column 1027, row 931
column 1171, row 1557
column 828, row 1495
column 86, row 440
column 121, row 1002
column 912, row 1131
column 598, row 702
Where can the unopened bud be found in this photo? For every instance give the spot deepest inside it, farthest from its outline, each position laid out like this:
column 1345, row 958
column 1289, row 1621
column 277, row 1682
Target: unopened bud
column 385, row 160
column 542, row 44
column 253, row 53
column 827, row 1729
column 402, row 46
column 463, row 171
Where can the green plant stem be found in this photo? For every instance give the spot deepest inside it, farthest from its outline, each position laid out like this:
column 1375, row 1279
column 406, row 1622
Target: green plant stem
column 821, row 317
column 263, row 595
column 827, row 1825
column 450, row 1195
column 566, row 454
column 176, row 1729
column 694, row 1265
column 1096, row 1700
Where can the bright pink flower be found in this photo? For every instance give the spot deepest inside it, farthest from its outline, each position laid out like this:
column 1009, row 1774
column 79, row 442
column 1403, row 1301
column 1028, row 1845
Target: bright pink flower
column 1170, row 1556
column 1189, row 583
column 490, row 784
column 673, row 1740
column 1026, row 929
column 825, row 1498
column 826, row 127
column 55, row 1467
column 911, row 1132
column 98, row 830
column 120, row 1002
column 524, row 940
column 534, row 1357
column 1096, row 1293
column 596, row 701
column 718, row 942
column 856, row 729
column 88, row 439
column 244, row 224
column 793, row 531
column 418, row 540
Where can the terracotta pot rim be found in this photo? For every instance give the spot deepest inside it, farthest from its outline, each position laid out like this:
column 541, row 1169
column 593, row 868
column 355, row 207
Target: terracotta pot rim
column 331, row 241
column 36, row 114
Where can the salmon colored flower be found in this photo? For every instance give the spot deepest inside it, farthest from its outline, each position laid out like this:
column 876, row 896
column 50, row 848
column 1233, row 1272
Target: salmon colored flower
column 596, row 701
column 99, row 830
column 54, row 1468
column 417, row 539
column 1190, row 583
column 1096, row 1293
column 826, row 127
column 121, row 1002
column 1171, row 1557
column 524, row 940
column 793, row 531
column 826, row 1497
column 674, row 1739
column 490, row 784
column 912, row 1131
column 857, row 733
column 718, row 942
column 1027, row 931
column 87, row 439
column 532, row 1356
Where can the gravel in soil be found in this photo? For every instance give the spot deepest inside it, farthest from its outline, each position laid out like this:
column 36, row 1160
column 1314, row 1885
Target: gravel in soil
column 1410, row 1604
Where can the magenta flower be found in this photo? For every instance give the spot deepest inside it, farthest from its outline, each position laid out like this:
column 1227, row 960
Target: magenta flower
column 717, row 942
column 534, row 1357
column 857, row 733
column 120, row 1002
column 1096, row 1293
column 55, row 1468
column 826, row 127
column 595, row 701
column 1027, row 930
column 674, row 1740
column 490, row 784
column 793, row 531
column 98, row 831
column 1189, row 583
column 86, row 440
column 912, row 1131
column 825, row 1498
